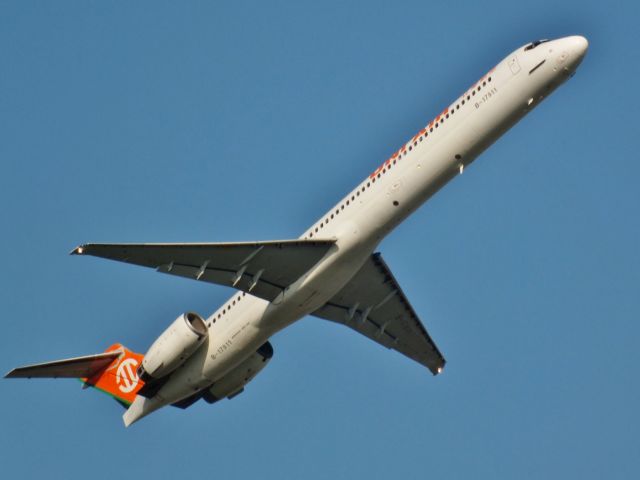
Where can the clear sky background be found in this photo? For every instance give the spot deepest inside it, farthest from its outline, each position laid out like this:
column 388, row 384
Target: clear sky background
column 233, row 121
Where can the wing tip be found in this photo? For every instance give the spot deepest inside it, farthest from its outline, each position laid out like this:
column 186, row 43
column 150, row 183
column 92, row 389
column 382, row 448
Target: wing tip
column 79, row 250
column 437, row 369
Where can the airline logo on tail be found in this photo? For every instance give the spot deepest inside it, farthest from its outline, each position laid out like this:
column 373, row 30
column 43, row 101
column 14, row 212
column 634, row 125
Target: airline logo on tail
column 120, row 378
column 126, row 376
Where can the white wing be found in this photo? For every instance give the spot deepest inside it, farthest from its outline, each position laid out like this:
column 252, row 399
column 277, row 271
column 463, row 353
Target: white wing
column 372, row 303
column 263, row 269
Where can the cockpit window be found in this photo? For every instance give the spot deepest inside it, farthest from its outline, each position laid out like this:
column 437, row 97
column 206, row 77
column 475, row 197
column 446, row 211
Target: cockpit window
column 533, row 45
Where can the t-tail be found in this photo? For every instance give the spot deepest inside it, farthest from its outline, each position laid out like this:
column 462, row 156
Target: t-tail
column 113, row 372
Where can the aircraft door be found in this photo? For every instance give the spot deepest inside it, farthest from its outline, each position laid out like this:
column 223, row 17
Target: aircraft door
column 514, row 65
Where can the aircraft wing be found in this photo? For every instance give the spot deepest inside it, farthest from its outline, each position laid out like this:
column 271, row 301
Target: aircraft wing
column 78, row 367
column 372, row 303
column 263, row 269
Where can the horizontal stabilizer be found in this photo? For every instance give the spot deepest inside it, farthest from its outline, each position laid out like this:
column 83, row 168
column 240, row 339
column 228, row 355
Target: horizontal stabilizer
column 113, row 372
column 78, row 367
column 263, row 269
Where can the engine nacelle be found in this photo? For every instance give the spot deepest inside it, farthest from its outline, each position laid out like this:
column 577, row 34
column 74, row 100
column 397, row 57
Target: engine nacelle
column 233, row 383
column 174, row 346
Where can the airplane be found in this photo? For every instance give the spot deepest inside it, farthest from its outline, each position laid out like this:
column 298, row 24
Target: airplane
column 331, row 271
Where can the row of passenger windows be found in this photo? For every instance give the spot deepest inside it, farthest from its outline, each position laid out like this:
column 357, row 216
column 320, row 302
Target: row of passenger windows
column 384, row 170
column 469, row 95
column 344, row 205
column 227, row 308
column 364, row 187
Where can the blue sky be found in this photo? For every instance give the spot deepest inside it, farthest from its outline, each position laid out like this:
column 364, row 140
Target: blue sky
column 232, row 121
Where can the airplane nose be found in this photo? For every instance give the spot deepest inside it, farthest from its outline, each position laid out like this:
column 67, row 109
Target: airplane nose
column 573, row 51
column 579, row 45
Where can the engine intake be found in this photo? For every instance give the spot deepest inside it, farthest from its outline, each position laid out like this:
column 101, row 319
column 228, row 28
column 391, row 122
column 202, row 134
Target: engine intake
column 176, row 344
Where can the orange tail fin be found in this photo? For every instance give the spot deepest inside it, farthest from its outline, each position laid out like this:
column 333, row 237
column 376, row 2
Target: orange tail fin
column 120, row 378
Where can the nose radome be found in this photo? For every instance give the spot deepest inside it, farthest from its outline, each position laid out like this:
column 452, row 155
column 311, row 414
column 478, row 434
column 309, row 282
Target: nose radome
column 573, row 50
column 579, row 45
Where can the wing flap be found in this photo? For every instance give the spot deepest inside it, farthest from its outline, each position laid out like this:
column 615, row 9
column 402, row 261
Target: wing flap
column 78, row 367
column 373, row 304
column 263, row 269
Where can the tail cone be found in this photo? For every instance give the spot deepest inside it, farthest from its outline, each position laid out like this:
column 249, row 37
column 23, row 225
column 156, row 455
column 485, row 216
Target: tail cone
column 141, row 407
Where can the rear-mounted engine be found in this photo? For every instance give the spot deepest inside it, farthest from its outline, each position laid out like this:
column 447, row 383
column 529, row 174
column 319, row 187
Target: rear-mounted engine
column 176, row 344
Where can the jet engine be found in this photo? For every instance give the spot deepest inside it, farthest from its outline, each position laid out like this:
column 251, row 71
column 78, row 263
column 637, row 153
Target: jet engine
column 174, row 346
column 233, row 383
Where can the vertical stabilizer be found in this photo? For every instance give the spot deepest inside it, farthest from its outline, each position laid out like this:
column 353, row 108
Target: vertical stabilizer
column 120, row 378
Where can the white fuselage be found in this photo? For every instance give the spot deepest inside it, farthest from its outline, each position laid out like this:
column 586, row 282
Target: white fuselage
column 383, row 200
